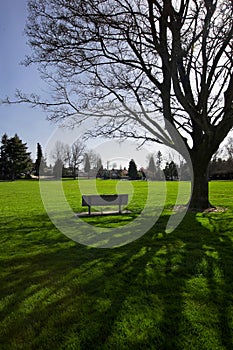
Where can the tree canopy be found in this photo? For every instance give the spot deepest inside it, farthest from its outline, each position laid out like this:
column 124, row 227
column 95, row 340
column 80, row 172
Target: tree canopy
column 143, row 68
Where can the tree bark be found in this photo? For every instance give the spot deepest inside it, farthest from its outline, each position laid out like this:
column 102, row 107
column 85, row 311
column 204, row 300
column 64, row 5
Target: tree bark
column 200, row 187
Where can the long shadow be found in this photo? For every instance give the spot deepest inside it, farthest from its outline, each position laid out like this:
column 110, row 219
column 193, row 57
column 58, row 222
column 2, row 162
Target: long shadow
column 220, row 272
column 57, row 294
column 203, row 273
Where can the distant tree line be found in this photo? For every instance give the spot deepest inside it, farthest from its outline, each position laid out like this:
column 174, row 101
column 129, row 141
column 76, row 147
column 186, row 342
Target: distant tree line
column 220, row 167
column 171, row 171
column 75, row 160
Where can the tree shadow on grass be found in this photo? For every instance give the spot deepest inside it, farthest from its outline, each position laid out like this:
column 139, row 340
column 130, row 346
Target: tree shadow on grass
column 162, row 291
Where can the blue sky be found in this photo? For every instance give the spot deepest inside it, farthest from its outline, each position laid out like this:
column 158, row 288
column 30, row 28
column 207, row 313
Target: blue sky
column 29, row 123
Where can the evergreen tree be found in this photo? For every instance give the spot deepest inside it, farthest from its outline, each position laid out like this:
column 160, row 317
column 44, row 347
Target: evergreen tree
column 100, row 172
column 40, row 163
column 132, row 171
column 100, row 168
column 173, row 171
column 170, row 171
column 15, row 160
column 99, row 164
column 3, row 157
column 159, row 159
column 38, row 160
column 151, row 166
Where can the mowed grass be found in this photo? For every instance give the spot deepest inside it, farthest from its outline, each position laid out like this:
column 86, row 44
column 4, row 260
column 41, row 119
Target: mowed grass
column 162, row 291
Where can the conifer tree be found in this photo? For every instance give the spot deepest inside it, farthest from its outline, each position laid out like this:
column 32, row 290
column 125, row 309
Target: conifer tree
column 15, row 159
column 3, row 157
column 38, row 160
column 132, row 171
column 151, row 167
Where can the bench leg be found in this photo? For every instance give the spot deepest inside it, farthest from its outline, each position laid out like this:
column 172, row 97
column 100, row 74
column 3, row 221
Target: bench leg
column 89, row 210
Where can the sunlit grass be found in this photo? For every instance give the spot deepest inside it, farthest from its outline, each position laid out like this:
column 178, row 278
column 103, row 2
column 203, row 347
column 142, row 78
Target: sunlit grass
column 162, row 291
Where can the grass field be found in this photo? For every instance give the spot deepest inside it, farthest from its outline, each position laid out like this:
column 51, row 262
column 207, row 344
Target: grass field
column 162, row 291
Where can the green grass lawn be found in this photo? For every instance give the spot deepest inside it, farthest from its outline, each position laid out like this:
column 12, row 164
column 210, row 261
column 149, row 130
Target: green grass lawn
column 162, row 291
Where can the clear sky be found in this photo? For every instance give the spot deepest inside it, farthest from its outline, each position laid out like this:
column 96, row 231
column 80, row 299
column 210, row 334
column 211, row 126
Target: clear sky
column 29, row 123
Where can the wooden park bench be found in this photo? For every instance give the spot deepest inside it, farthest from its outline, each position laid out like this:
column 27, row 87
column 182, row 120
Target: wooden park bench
column 105, row 200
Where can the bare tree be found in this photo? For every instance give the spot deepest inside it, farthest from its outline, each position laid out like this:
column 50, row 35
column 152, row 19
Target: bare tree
column 151, row 166
column 140, row 67
column 59, row 152
column 77, row 156
column 59, row 156
column 69, row 156
column 229, row 147
column 87, row 165
column 94, row 159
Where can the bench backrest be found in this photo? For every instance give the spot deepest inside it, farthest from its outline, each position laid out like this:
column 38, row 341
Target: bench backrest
column 104, row 199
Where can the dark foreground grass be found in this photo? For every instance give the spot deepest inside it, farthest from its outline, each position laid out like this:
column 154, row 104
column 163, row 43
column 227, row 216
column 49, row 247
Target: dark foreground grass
column 163, row 291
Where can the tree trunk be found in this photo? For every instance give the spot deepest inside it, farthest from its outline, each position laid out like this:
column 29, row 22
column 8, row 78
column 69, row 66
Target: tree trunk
column 74, row 173
column 200, row 189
